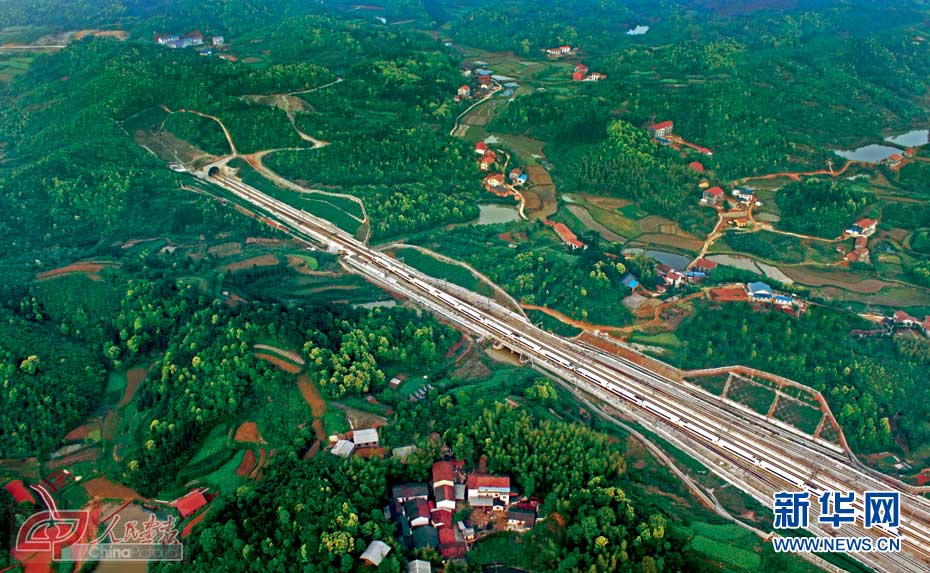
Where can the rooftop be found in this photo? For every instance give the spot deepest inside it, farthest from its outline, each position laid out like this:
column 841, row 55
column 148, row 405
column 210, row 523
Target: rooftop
column 365, row 436
column 376, row 552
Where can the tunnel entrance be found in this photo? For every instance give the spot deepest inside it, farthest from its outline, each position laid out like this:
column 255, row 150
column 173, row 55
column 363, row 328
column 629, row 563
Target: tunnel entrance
column 213, row 171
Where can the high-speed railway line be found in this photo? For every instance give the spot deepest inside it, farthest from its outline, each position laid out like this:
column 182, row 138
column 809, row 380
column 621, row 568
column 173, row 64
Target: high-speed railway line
column 768, row 460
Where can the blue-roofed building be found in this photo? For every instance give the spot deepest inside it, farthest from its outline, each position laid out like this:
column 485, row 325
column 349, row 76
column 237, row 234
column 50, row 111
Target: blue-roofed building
column 507, row 93
column 483, row 72
column 695, row 275
column 782, row 300
column 511, row 85
column 630, row 281
column 522, row 178
column 759, row 291
column 743, row 195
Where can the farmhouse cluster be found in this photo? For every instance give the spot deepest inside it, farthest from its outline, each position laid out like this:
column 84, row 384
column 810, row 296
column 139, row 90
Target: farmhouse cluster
column 431, row 514
column 192, row 39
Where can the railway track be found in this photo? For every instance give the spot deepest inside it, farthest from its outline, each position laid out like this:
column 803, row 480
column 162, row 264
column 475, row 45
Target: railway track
column 770, row 458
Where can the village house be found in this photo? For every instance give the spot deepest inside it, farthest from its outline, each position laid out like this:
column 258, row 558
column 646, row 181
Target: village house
column 595, row 77
column 419, row 566
column 417, row 512
column 697, row 166
column 343, row 448
column 517, row 177
column 862, row 228
column 481, row 148
column 218, row 40
column 493, row 180
column 894, row 160
column 468, row 533
column 426, row 536
column 403, row 452
column 486, row 490
column 744, row 196
column 661, row 129
column 375, row 553
column 487, row 160
column 759, row 291
column 464, row 91
column 407, row 491
column 560, row 51
column 629, row 281
column 566, row 235
column 581, row 69
column 367, row 438
column 521, row 518
column 191, row 503
column 704, row 265
column 484, row 79
column 712, row 196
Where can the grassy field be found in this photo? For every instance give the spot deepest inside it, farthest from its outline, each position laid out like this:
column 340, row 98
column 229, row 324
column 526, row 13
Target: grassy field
column 337, row 210
column 434, row 267
column 663, row 339
column 225, row 478
column 805, row 418
column 713, row 384
column 552, row 324
column 213, row 444
column 757, row 397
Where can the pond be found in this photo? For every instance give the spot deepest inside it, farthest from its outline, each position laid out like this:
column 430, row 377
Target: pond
column 872, row 153
column 495, row 214
column 674, row 260
column 914, row 138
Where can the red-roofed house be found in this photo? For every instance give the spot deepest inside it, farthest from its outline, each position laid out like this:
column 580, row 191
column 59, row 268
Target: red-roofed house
column 560, row 51
column 19, row 491
column 464, row 91
column 487, row 160
column 443, row 474
column 697, row 166
column 581, row 68
column 486, row 490
column 894, row 160
column 441, row 517
column 862, row 228
column 578, row 76
column 566, row 234
column 902, row 318
column 481, row 148
column 445, row 497
column 484, row 79
column 925, row 325
column 494, row 180
column 712, row 196
column 417, row 512
column 858, row 255
column 704, row 265
column 661, row 129
column 861, row 242
column 190, row 503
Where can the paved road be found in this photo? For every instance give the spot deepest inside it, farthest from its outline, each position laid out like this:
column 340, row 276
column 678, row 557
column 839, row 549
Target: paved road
column 758, row 458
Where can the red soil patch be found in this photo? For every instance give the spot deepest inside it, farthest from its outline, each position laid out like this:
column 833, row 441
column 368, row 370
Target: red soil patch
column 190, row 524
column 90, row 269
column 313, row 451
column 728, row 294
column 248, row 432
column 247, row 464
column 104, row 488
column 225, row 249
column 456, row 346
column 279, row 362
column 262, row 261
column 312, row 395
column 263, row 457
column 82, row 432
column 134, row 377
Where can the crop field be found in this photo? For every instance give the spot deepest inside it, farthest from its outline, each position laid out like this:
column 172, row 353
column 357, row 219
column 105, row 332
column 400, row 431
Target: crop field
column 13, row 64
